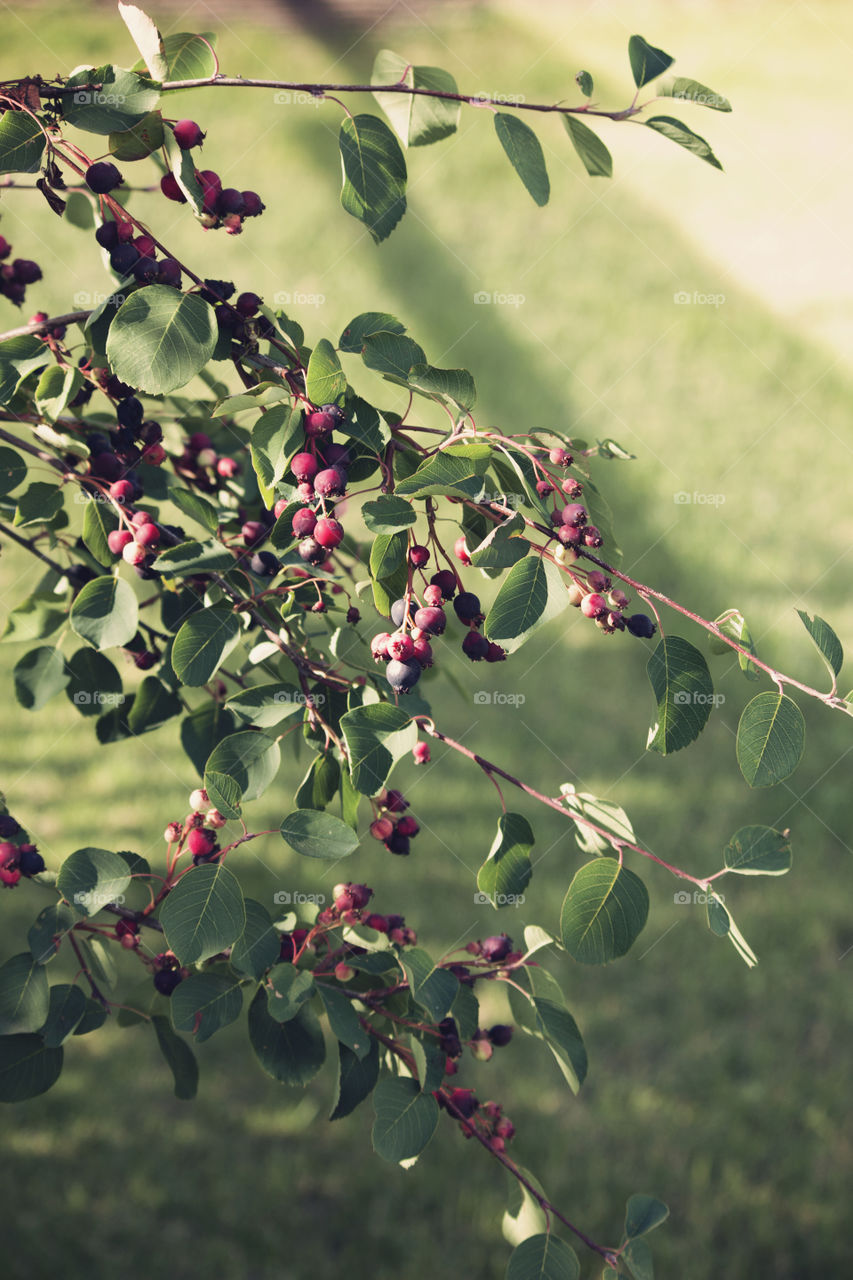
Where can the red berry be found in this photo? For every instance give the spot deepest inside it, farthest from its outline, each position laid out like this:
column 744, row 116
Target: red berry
column 422, row 650
column 118, row 539
column 9, row 852
column 573, row 514
column 148, row 535
column 304, row 522
column 330, row 482
column 329, row 533
column 228, row 468
column 188, row 134
column 418, row 556
column 400, row 647
column 121, row 491
column 460, row 550
column 593, row 605
column 146, row 246
column 420, row 753
column 407, row 827
column 9, row 877
column 381, row 829
column 200, row 842
column 280, row 507
column 319, row 423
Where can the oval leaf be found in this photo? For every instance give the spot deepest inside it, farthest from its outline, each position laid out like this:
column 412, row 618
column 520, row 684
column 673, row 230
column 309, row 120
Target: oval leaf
column 525, row 154
column 202, row 643
column 91, row 879
column 160, row 338
column 105, row 613
column 204, row 913
column 405, row 1121
column 543, row 1257
column 604, row 911
column 771, row 736
column 597, row 160
column 316, row 834
column 27, row 1067
column 291, row 1052
column 374, row 189
column 684, row 693
column 758, row 851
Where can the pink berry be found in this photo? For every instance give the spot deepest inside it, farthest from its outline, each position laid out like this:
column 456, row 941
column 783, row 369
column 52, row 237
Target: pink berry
column 118, row 539
column 432, row 594
column 379, row 647
column 188, row 134
column 304, row 466
column 252, row 532
column 460, row 550
column 422, row 650
column 381, row 829
column 431, row 620
column 560, row 458
column 199, row 842
column 400, row 647
column 9, row 876
column 228, row 468
column 303, row 523
column 121, row 491
column 305, row 491
column 148, row 535
column 9, row 852
column 418, row 556
column 420, row 753
column 593, row 605
column 280, row 507
column 330, row 482
column 597, row 580
column 319, row 423
column 329, row 533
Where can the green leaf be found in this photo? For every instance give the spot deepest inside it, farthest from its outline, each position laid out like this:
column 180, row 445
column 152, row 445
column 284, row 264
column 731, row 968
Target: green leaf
column 418, row 120
column 771, row 736
column 24, row 997
column 192, row 557
column 503, row 547
column 13, row 470
column 190, row 57
column 647, row 62
column 603, row 912
column 584, row 82
column 180, row 1058
column 92, row 879
column 204, row 913
column 22, row 142
column 147, row 39
column 276, row 437
column 825, row 639
column 643, row 1214
column 387, row 554
column 325, row 380
column 507, row 871
column 524, row 1216
column 258, row 946
column 455, row 472
column 266, row 705
column 99, row 520
column 27, row 1067
column 405, row 1121
column 434, row 989
column 758, row 851
column 203, row 730
column 388, row 513
column 55, row 388
column 543, row 1257
column 344, row 1021
column 160, row 338
column 453, row 386
column 289, row 989
column 78, row 211
column 547, row 1018
column 597, row 160
column 105, row 613
column 316, row 834
column 374, row 167
column 392, row 353
column 93, row 1019
column 638, row 1257
column 718, row 918
column 251, row 759
column 140, row 140
column 356, row 1078
column 47, row 930
column 525, row 154
column 39, row 676
column 153, row 705
column 39, row 503
column 320, row 784
column 196, row 507
column 204, row 1003
column 65, row 1013
column 202, row 643
column 531, row 594
column 94, row 684
column 120, row 99
column 733, row 624
column 684, row 693
column 377, row 736
column 678, row 132
column 604, row 813
column 291, row 1052
column 362, row 326
column 693, row 91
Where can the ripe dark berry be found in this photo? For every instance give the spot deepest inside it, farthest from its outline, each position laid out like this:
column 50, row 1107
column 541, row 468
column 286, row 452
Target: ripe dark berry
column 475, row 646
column 445, row 580
column 311, row 552
column 573, row 513
column 253, row 532
column 217, row 291
column 570, row 535
column 247, row 303
column 398, row 844
column 123, row 258
column 467, row 607
column 5, row 248
column 418, row 556
column 303, row 523
column 229, row 201
column 264, row 564
column 407, row 826
column 107, row 235
column 640, row 624
column 169, row 272
column 500, row 1035
column 105, row 466
column 188, row 134
column 396, row 802
column 398, row 612
column 165, row 980
column 146, row 269
column 330, row 482
column 252, row 204
column 377, row 922
column 211, row 185
column 431, row 620
column 30, row 861
column 496, row 653
column 8, row 826
column 103, row 177
column 171, row 190
column 403, row 676
column 496, row 948
column 130, row 413
column 463, row 1101
column 319, row 423
column 336, row 455
column 329, row 533
column 353, row 615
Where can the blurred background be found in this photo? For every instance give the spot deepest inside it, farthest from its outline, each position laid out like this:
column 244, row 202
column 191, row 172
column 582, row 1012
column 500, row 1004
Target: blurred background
column 719, row 1089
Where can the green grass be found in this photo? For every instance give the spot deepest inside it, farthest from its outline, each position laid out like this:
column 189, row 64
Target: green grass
column 721, row 1090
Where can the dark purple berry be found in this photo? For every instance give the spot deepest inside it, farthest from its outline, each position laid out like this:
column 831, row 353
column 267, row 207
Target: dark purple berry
column 431, row 619
column 311, row 552
column 165, row 980
column 500, row 1035
column 445, row 580
column 496, row 948
column 475, row 646
column 107, row 235
column 467, row 607
column 103, row 177
column 640, row 624
column 130, row 413
column 252, row 204
column 123, row 258
column 403, row 676
column 398, row 612
column 30, row 861
column 25, row 272
column 397, row 843
column 264, row 564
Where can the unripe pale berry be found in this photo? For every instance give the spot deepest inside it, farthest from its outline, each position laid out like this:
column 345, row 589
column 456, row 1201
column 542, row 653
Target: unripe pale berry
column 575, row 593
column 133, row 553
column 215, row 819
column 199, row 798
column 560, row 458
column 379, row 646
column 420, row 753
column 172, row 832
column 593, row 605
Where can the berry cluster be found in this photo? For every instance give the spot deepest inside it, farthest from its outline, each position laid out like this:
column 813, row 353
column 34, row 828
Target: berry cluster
column 16, row 275
column 196, row 833
column 201, row 466
column 18, row 857
column 321, row 476
column 407, row 651
column 598, row 599
column 135, row 255
column 392, row 825
column 222, row 206
column 485, row 1118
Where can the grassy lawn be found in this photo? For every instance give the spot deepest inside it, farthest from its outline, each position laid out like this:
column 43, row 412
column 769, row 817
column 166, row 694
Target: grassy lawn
column 720, row 1089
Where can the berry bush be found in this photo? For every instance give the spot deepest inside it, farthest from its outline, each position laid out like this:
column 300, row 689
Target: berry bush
column 209, row 496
